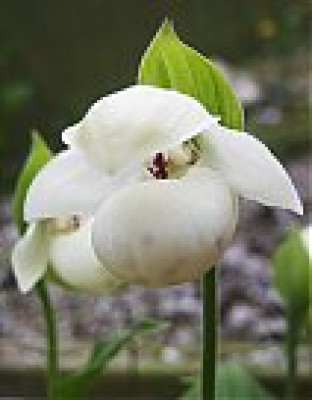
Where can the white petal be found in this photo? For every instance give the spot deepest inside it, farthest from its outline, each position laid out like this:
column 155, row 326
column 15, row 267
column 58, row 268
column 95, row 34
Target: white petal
column 132, row 124
column 74, row 262
column 250, row 168
column 164, row 232
column 30, row 256
column 67, row 185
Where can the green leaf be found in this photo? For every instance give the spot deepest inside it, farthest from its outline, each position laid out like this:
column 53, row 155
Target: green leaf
column 103, row 352
column 106, row 349
column 308, row 323
column 232, row 382
column 235, row 383
column 291, row 274
column 38, row 156
column 169, row 63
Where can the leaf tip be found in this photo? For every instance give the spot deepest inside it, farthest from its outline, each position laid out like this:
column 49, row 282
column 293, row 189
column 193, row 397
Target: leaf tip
column 167, row 27
column 34, row 134
column 36, row 138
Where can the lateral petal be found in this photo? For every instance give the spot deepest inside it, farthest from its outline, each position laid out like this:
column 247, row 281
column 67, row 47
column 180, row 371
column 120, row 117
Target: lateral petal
column 249, row 167
column 30, row 256
column 67, row 185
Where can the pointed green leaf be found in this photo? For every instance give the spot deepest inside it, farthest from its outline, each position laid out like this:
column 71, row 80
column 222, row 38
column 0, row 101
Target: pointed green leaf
column 103, row 352
column 106, row 349
column 232, row 382
column 38, row 156
column 169, row 63
column 291, row 273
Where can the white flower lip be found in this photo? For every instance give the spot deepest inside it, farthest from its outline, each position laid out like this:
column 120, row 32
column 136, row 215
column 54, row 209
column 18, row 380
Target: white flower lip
column 167, row 231
column 73, row 260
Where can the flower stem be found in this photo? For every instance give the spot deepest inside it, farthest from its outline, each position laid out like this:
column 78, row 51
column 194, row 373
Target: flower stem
column 208, row 371
column 291, row 352
column 52, row 339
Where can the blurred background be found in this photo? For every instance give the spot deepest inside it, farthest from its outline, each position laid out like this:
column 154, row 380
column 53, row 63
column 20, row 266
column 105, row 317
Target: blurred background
column 56, row 58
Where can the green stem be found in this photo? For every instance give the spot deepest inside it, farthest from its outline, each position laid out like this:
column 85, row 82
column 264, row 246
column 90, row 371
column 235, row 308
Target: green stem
column 52, row 339
column 291, row 349
column 208, row 372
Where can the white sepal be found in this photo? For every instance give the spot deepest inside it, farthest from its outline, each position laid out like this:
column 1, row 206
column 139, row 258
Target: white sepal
column 129, row 126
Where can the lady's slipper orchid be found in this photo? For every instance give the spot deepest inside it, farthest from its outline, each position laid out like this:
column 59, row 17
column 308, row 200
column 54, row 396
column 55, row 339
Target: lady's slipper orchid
column 146, row 192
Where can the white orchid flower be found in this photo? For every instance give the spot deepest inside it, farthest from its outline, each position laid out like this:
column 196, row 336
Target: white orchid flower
column 146, row 193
